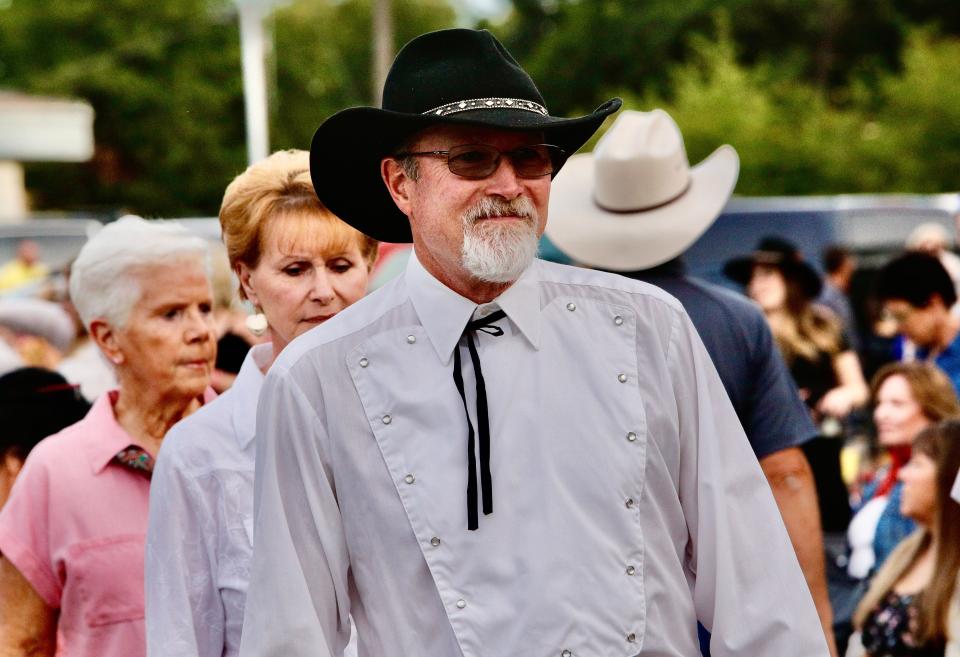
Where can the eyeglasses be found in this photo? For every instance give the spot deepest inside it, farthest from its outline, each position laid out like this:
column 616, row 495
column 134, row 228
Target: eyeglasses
column 477, row 161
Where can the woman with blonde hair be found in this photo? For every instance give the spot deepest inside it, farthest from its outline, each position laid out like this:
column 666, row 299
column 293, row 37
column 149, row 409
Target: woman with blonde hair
column 299, row 265
column 823, row 365
column 911, row 608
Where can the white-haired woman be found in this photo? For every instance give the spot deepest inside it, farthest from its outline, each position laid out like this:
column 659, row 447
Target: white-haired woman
column 299, row 265
column 72, row 533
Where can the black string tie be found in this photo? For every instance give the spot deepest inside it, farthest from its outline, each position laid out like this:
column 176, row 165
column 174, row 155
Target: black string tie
column 483, row 423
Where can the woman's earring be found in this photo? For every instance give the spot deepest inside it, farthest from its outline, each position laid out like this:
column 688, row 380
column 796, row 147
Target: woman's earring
column 257, row 323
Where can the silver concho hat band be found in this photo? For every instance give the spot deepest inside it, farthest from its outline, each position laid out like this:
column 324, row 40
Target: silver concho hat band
column 488, row 103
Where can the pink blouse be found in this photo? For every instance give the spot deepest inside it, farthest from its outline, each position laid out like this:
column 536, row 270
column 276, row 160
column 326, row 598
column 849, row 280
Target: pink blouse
column 75, row 526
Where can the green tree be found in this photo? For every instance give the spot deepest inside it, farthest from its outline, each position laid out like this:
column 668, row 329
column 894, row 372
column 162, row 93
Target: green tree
column 164, row 81
column 323, row 59
column 902, row 137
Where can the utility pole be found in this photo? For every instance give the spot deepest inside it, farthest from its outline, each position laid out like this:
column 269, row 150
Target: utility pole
column 382, row 46
column 253, row 47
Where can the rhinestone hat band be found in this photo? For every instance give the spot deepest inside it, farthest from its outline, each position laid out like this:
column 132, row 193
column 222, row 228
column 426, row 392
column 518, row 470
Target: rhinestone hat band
column 488, row 103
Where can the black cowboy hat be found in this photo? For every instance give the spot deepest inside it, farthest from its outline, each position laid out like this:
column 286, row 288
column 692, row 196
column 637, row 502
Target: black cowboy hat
column 454, row 76
column 779, row 253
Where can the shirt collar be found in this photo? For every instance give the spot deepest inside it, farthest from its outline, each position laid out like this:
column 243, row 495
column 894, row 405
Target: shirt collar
column 246, row 390
column 444, row 313
column 107, row 437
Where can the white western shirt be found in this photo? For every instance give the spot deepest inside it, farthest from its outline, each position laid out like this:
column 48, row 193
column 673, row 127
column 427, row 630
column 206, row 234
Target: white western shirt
column 200, row 531
column 627, row 502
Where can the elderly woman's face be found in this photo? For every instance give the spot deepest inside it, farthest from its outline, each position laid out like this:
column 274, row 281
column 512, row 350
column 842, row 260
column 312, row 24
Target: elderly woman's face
column 303, row 279
column 168, row 341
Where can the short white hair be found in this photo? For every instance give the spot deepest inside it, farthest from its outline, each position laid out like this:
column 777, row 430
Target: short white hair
column 104, row 279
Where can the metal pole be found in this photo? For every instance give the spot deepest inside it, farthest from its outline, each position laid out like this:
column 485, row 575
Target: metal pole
column 254, row 80
column 382, row 46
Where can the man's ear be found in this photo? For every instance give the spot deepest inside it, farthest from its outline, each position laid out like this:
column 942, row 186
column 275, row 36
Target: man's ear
column 106, row 338
column 398, row 183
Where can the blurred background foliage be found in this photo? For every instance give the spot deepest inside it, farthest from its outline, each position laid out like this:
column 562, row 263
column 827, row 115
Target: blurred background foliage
column 819, row 97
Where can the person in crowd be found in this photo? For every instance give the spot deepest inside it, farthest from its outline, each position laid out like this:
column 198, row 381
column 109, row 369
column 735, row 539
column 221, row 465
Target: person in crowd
column 840, row 264
column 25, row 268
column 34, row 403
column 72, row 533
column 234, row 338
column 633, row 207
column 912, row 608
column 564, row 477
column 83, row 363
column 907, row 398
column 934, row 239
column 299, row 265
column 917, row 292
column 821, row 362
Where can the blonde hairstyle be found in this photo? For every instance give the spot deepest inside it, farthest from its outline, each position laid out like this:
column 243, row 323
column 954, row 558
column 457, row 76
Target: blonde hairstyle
column 280, row 186
column 930, row 387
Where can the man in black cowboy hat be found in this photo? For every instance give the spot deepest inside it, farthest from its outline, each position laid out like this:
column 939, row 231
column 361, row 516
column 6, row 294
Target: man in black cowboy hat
column 493, row 455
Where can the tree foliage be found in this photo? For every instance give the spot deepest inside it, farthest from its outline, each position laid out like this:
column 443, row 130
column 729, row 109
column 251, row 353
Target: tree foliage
column 901, row 136
column 818, row 97
column 165, row 81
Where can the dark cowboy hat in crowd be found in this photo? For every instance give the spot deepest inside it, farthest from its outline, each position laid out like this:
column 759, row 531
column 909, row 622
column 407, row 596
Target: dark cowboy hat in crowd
column 36, row 403
column 457, row 76
column 779, row 253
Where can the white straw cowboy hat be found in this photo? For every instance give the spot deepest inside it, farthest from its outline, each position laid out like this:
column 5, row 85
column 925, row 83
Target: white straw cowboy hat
column 635, row 202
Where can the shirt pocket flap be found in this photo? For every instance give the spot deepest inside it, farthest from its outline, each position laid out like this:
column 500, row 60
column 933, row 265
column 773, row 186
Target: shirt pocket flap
column 108, row 574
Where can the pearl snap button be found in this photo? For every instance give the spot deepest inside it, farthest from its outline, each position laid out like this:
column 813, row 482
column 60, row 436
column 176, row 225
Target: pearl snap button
column 622, row 378
column 461, row 604
column 566, row 653
column 618, row 320
column 435, row 542
column 409, row 479
column 629, row 503
column 386, row 419
column 364, row 362
column 411, row 339
column 631, row 571
column 632, row 437
column 571, row 306
column 632, row 638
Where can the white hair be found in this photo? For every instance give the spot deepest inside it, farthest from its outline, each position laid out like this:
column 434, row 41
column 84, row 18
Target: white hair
column 926, row 235
column 105, row 278
column 498, row 253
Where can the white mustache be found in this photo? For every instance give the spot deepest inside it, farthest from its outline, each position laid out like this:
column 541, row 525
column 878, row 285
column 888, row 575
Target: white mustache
column 493, row 206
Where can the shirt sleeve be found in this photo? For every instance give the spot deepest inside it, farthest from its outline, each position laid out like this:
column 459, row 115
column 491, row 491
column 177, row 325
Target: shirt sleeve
column 747, row 587
column 26, row 529
column 778, row 418
column 297, row 602
column 184, row 610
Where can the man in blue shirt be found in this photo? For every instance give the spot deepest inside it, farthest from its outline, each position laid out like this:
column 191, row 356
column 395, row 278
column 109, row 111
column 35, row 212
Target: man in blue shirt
column 633, row 207
column 918, row 293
